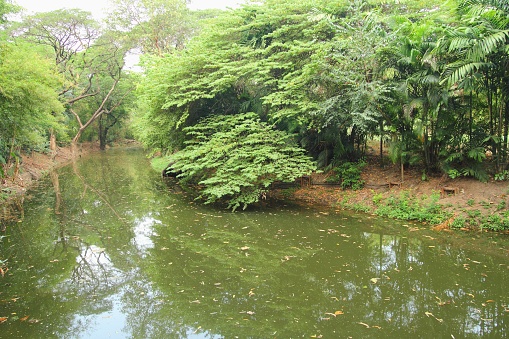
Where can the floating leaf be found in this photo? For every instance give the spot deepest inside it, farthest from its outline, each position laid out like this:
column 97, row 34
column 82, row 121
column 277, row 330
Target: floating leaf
column 429, row 314
column 336, row 313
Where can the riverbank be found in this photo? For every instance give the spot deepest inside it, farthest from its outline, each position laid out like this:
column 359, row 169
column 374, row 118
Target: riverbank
column 464, row 203
column 35, row 165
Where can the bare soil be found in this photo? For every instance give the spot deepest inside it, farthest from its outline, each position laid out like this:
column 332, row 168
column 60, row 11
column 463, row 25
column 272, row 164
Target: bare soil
column 35, row 165
column 32, row 167
column 467, row 194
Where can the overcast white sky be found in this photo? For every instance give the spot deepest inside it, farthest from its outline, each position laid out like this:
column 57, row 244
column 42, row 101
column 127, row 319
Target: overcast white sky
column 97, row 6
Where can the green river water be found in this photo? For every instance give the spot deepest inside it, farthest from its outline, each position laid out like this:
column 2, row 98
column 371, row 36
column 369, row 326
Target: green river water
column 106, row 249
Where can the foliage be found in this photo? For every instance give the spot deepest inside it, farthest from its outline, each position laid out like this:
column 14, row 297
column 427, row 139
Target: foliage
column 349, row 175
column 87, row 56
column 155, row 26
column 468, row 165
column 236, row 158
column 407, row 207
column 159, row 164
column 502, row 176
column 29, row 102
column 459, row 222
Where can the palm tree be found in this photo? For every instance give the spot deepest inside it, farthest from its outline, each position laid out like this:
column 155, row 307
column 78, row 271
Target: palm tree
column 481, row 49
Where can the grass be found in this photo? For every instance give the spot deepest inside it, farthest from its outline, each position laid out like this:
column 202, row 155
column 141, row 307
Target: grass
column 160, row 163
column 410, row 207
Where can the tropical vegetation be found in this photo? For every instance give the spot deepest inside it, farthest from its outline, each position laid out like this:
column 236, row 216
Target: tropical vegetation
column 268, row 91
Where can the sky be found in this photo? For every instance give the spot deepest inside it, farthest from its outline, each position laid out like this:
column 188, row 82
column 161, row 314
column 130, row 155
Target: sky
column 97, row 6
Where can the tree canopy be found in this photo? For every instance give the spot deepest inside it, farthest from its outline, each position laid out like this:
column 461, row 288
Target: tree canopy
column 428, row 79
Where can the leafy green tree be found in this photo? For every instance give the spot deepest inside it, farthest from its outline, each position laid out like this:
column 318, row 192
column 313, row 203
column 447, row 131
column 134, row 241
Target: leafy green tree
column 6, row 7
column 235, row 158
column 84, row 55
column 29, row 103
column 155, row 26
column 480, row 45
column 240, row 62
column 357, row 78
column 116, row 109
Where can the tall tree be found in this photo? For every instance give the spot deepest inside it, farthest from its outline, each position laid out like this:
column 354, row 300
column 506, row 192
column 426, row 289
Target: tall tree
column 29, row 103
column 83, row 54
column 481, row 47
column 155, row 26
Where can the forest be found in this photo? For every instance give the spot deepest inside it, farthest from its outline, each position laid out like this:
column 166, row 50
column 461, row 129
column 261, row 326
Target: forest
column 241, row 98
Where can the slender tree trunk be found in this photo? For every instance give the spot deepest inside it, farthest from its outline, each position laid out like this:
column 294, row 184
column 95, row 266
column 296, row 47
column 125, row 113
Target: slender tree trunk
column 381, row 143
column 506, row 131
column 102, row 135
column 53, row 144
column 471, row 121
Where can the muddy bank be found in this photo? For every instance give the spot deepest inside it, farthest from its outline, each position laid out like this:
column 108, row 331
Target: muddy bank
column 35, row 165
column 442, row 203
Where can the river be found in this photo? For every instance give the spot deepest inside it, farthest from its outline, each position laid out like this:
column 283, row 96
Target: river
column 106, row 249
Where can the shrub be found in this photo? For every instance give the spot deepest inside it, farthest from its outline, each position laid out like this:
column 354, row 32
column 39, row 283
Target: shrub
column 349, row 174
column 406, row 207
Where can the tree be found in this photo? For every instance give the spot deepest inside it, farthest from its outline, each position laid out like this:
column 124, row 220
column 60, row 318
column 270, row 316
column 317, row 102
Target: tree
column 155, row 26
column 84, row 56
column 107, row 71
column 357, row 80
column 240, row 62
column 116, row 109
column 29, row 103
column 480, row 46
column 235, row 158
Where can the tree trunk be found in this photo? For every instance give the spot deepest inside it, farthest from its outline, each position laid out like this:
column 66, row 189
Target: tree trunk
column 381, row 143
column 53, row 144
column 102, row 135
column 75, row 149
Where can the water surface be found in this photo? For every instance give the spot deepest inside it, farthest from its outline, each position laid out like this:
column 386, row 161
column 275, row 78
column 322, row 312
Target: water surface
column 105, row 249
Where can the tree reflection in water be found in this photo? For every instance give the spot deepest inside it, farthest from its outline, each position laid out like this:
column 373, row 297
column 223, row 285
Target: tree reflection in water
column 125, row 258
